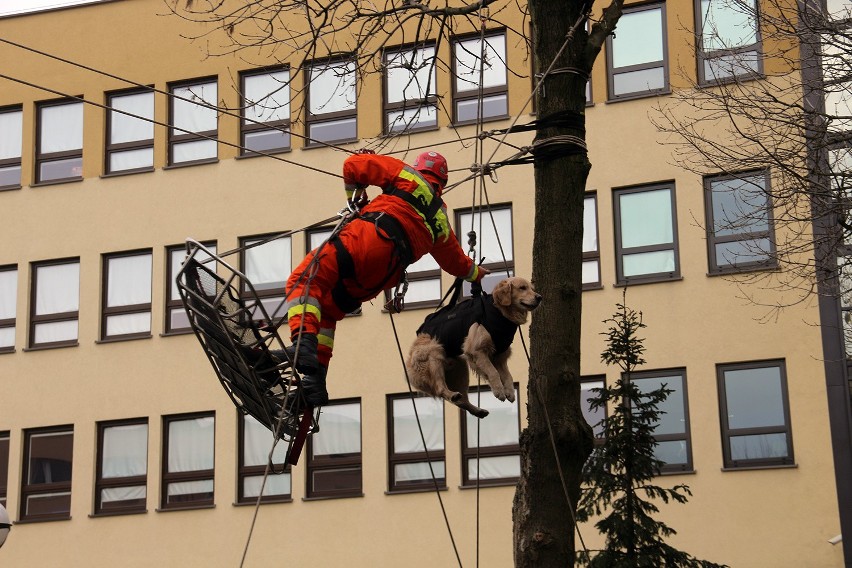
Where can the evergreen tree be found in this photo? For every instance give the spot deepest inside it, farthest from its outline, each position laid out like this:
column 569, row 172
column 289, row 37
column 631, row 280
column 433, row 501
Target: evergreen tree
column 618, row 477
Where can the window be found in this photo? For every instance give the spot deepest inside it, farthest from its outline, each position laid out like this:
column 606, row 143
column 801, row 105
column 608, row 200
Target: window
column 8, row 306
column 194, row 131
column 59, row 146
column 176, row 319
column 646, row 234
column 187, row 461
column 836, row 81
column 410, row 466
column 4, row 466
column 316, row 237
column 126, row 295
column 255, row 443
column 266, row 111
column 130, row 133
column 11, row 132
column 728, row 42
column 54, row 303
column 493, row 241
column 268, row 266
column 594, row 417
column 332, row 111
column 636, row 55
column 740, row 232
column 410, row 101
column 46, row 479
column 122, row 467
column 480, row 71
column 496, row 460
column 591, row 246
column 755, row 414
column 334, row 453
column 672, row 430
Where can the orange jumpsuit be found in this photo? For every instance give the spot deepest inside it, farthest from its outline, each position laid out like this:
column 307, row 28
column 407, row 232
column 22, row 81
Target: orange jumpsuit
column 375, row 252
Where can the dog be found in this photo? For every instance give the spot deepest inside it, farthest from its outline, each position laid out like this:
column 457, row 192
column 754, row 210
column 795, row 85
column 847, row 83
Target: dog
column 475, row 333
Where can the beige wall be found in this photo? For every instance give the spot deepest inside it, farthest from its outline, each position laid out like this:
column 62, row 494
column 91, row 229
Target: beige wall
column 774, row 518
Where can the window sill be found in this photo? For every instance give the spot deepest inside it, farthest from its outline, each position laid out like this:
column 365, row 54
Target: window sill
column 46, row 347
column 744, row 270
column 758, row 467
column 407, row 131
column 11, row 187
column 679, row 472
column 187, row 508
column 56, row 182
column 416, row 490
column 586, row 288
column 484, row 484
column 187, row 331
column 653, row 280
column 127, row 173
column 329, row 143
column 705, row 84
column 641, row 95
column 263, row 153
column 190, row 164
column 7, row 350
column 482, row 120
column 117, row 513
column 45, row 520
column 253, row 503
column 123, row 338
column 329, row 497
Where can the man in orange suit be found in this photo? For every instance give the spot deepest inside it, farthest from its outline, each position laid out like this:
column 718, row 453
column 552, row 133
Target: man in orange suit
column 370, row 254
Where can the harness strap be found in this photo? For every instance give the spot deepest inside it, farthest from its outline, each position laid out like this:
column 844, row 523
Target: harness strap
column 427, row 210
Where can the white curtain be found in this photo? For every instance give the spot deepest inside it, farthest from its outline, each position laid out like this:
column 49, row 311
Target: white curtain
column 332, row 88
column 468, row 55
column 10, row 134
column 191, row 116
column 8, row 293
column 112, row 494
column 61, row 127
column 411, row 75
column 257, row 441
column 727, row 24
column 419, row 471
column 191, row 444
column 129, row 280
column 501, row 428
column 406, row 434
column 267, row 96
column 495, row 467
column 341, row 430
column 58, row 288
column 486, row 238
column 590, row 225
column 125, row 451
column 269, row 265
column 639, row 39
column 124, row 128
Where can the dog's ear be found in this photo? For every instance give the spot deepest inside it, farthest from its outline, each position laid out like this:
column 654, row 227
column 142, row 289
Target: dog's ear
column 503, row 293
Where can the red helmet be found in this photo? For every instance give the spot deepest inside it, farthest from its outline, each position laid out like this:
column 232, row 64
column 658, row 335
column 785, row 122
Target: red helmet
column 433, row 165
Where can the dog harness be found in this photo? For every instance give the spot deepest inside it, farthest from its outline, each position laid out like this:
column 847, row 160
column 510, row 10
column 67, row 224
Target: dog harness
column 450, row 324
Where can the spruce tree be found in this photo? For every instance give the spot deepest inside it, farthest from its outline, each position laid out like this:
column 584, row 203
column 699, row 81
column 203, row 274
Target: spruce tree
column 619, row 476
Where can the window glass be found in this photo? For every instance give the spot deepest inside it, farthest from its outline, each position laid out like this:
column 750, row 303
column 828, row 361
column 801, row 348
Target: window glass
column 729, row 39
column 176, row 319
column 134, row 135
column 268, row 266
column 256, row 444
column 11, row 129
column 341, row 431
column 410, row 77
column 194, row 113
column 671, row 431
column 122, row 467
column 497, row 459
column 332, row 87
column 645, row 230
column 334, row 453
column 480, row 83
column 60, row 142
column 190, row 445
column 8, row 306
column 594, row 417
column 591, row 253
column 4, row 466
column 56, row 303
column 127, row 308
column 266, row 100
column 411, row 466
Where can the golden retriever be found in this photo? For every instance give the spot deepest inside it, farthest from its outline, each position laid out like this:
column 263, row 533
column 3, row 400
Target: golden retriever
column 477, row 332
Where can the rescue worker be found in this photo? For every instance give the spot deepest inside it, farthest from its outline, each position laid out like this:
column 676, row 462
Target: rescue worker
column 370, row 254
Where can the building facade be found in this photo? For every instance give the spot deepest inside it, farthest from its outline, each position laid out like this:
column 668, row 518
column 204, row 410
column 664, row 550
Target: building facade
column 121, row 137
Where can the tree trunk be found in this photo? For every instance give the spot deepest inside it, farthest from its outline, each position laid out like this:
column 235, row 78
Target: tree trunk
column 543, row 517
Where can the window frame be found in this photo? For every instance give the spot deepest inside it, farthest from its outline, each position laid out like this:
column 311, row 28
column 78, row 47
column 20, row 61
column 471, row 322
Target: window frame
column 57, row 317
column 621, row 252
column 167, row 477
column 686, row 435
column 414, row 457
column 111, row 148
column 250, row 126
column 592, row 255
column 332, row 116
column 473, row 94
column 176, row 137
column 429, row 100
column 102, row 483
column 14, row 162
column 5, row 442
column 727, row 432
column 128, row 309
column 612, row 71
column 46, row 489
column 499, row 268
column 330, row 463
column 469, row 453
column 7, row 323
column 702, row 56
column 42, row 158
column 247, row 471
column 714, row 267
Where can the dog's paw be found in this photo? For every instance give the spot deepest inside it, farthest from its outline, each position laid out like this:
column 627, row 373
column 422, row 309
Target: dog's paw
column 501, row 396
column 510, row 396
